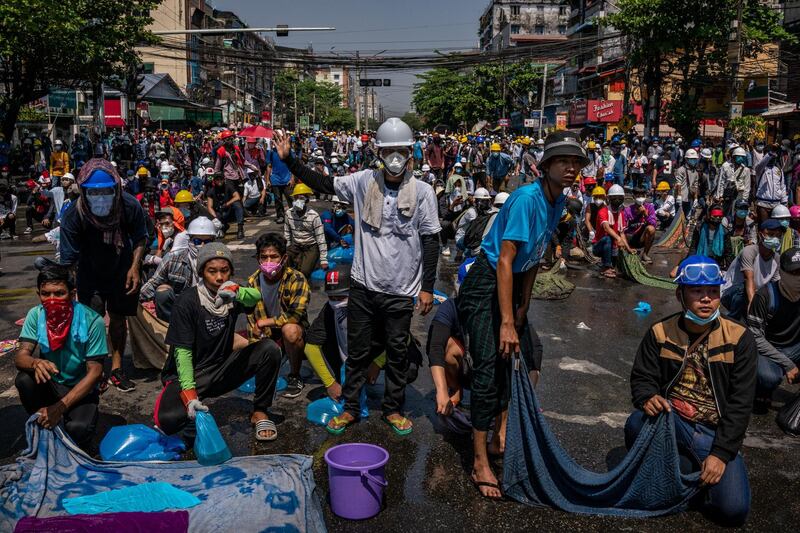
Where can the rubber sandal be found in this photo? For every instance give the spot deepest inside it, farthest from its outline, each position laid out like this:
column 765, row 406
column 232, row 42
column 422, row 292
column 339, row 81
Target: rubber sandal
column 401, row 421
column 337, row 420
column 266, row 425
column 479, row 484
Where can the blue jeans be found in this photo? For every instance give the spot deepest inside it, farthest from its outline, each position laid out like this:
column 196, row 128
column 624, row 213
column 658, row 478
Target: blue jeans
column 735, row 301
column 770, row 374
column 727, row 502
column 604, row 249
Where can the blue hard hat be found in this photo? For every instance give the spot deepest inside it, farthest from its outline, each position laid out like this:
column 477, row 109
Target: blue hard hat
column 697, row 143
column 699, row 270
column 100, row 179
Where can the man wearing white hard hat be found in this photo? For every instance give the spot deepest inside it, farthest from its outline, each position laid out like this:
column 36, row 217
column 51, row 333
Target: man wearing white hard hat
column 687, row 180
column 59, row 160
column 396, row 252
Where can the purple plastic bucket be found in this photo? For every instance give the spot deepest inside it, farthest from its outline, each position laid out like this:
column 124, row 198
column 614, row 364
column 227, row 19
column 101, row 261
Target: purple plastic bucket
column 355, row 473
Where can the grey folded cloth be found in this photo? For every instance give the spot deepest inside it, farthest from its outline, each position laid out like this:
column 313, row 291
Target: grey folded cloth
column 372, row 213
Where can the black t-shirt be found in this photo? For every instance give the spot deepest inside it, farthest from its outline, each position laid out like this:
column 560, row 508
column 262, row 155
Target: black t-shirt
column 664, row 170
column 322, row 332
column 222, row 194
column 209, row 337
column 782, row 322
column 99, row 263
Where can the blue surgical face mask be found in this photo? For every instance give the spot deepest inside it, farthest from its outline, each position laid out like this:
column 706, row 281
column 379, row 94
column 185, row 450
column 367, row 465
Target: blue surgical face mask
column 740, row 160
column 742, row 213
column 784, row 224
column 100, row 205
column 340, row 212
column 701, row 321
column 772, row 243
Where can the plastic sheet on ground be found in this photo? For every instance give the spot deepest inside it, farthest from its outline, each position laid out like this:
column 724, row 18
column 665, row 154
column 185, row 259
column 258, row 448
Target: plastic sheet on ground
column 244, row 494
column 632, row 268
column 538, row 471
column 675, row 235
column 552, row 286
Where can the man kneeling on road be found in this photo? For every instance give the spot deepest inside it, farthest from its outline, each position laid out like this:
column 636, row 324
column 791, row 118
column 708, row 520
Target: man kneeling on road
column 702, row 366
column 202, row 362
column 61, row 384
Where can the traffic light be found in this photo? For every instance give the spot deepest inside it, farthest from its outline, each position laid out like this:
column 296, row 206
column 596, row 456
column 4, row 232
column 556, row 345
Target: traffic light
column 281, row 31
column 139, row 80
column 387, row 83
column 135, row 81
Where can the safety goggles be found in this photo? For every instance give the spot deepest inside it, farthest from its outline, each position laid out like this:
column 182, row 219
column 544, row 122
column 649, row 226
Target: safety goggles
column 199, row 242
column 699, row 272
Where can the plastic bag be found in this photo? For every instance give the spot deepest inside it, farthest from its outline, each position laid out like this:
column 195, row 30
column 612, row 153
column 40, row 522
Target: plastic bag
column 788, row 418
column 137, row 442
column 249, row 386
column 341, row 255
column 209, row 446
column 321, row 411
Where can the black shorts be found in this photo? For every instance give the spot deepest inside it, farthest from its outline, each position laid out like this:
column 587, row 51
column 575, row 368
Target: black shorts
column 116, row 302
column 636, row 240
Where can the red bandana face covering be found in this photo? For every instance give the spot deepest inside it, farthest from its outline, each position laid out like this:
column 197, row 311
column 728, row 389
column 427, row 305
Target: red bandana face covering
column 58, row 313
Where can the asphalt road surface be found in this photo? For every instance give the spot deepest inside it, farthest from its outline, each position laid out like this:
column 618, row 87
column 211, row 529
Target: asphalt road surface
column 584, row 392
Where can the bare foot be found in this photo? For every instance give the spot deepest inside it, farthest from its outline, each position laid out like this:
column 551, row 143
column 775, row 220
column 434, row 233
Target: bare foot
column 258, row 416
column 485, row 480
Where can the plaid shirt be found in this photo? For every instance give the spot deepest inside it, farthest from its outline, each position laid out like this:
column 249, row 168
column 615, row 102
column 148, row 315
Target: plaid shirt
column 294, row 293
column 175, row 270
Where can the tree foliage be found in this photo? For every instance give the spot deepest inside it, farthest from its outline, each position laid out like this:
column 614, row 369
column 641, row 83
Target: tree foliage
column 748, row 129
column 689, row 38
column 66, row 43
column 413, row 120
column 321, row 101
column 340, row 118
column 486, row 92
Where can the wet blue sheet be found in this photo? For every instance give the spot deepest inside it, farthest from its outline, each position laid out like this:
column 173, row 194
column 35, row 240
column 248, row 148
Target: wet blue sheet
column 274, row 493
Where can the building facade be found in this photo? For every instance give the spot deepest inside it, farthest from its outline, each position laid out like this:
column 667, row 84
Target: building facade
column 504, row 22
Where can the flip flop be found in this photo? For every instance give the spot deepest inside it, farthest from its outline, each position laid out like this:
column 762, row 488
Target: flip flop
column 399, row 421
column 479, row 484
column 266, row 425
column 338, row 420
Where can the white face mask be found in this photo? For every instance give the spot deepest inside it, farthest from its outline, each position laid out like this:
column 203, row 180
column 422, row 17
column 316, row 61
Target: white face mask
column 167, row 232
column 395, row 162
column 299, row 204
column 640, row 201
column 100, row 205
column 599, row 202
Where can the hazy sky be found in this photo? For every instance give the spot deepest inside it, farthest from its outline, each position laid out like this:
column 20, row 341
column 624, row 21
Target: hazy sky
column 370, row 26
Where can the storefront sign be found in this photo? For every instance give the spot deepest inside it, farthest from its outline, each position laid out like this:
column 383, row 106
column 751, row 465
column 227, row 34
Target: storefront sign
column 604, row 110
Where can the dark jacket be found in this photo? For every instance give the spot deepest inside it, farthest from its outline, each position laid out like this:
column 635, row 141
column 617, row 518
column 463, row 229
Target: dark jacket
column 732, row 358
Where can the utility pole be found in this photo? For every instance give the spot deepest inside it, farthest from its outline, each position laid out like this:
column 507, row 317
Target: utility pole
column 314, row 110
column 272, row 99
column 296, row 128
column 735, row 58
column 358, row 100
column 541, row 104
column 503, row 67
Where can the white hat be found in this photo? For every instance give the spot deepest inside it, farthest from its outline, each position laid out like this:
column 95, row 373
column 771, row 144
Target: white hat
column 501, row 198
column 691, row 153
column 458, row 165
column 706, row 153
column 58, row 142
column 482, row 194
column 426, row 168
column 334, row 160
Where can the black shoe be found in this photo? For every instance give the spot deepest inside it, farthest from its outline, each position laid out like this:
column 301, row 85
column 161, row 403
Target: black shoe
column 240, row 233
column 294, row 387
column 121, row 381
column 761, row 406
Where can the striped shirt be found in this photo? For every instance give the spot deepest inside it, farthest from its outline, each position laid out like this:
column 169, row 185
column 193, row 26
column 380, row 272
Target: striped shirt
column 306, row 229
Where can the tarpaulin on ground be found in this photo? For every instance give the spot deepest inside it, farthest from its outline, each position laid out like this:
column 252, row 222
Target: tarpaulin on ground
column 552, row 286
column 538, row 471
column 259, row 493
column 675, row 235
column 632, row 268
column 147, row 335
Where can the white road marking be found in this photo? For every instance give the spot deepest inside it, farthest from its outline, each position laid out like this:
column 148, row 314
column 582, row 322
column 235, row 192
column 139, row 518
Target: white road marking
column 584, row 367
column 770, row 443
column 10, row 392
column 614, row 420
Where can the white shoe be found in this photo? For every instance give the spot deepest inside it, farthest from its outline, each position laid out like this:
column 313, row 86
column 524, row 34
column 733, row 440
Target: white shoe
column 446, row 252
column 28, row 230
column 5, row 235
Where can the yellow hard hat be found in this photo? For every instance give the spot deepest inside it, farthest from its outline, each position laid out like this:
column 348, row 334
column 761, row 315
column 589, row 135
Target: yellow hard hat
column 663, row 186
column 183, row 196
column 591, row 145
column 301, row 188
column 598, row 191
column 142, row 171
column 526, row 141
column 495, row 147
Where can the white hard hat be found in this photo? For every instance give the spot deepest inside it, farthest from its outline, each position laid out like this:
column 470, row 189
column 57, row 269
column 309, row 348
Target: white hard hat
column 201, row 226
column 166, row 167
column 394, row 133
column 114, row 164
column 58, row 142
column 334, row 154
column 68, row 175
column 482, row 194
column 501, row 198
column 780, row 211
column 691, row 153
column 458, row 165
column 706, row 153
column 540, row 142
column 426, row 168
column 616, row 190
column 334, row 161
column 206, row 160
column 336, row 200
column 739, row 151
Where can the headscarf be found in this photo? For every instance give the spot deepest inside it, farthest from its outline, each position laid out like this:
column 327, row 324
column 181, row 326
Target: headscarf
column 111, row 226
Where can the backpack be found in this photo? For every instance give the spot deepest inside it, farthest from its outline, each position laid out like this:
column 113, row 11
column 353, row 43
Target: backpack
column 474, row 234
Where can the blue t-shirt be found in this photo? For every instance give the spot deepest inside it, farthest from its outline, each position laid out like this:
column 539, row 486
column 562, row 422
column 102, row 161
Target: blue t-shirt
column 196, row 185
column 417, row 150
column 71, row 358
column 527, row 218
column 280, row 172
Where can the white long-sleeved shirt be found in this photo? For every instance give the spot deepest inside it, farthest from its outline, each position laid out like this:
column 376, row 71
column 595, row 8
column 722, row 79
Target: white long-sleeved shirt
column 771, row 186
column 8, row 205
column 739, row 176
